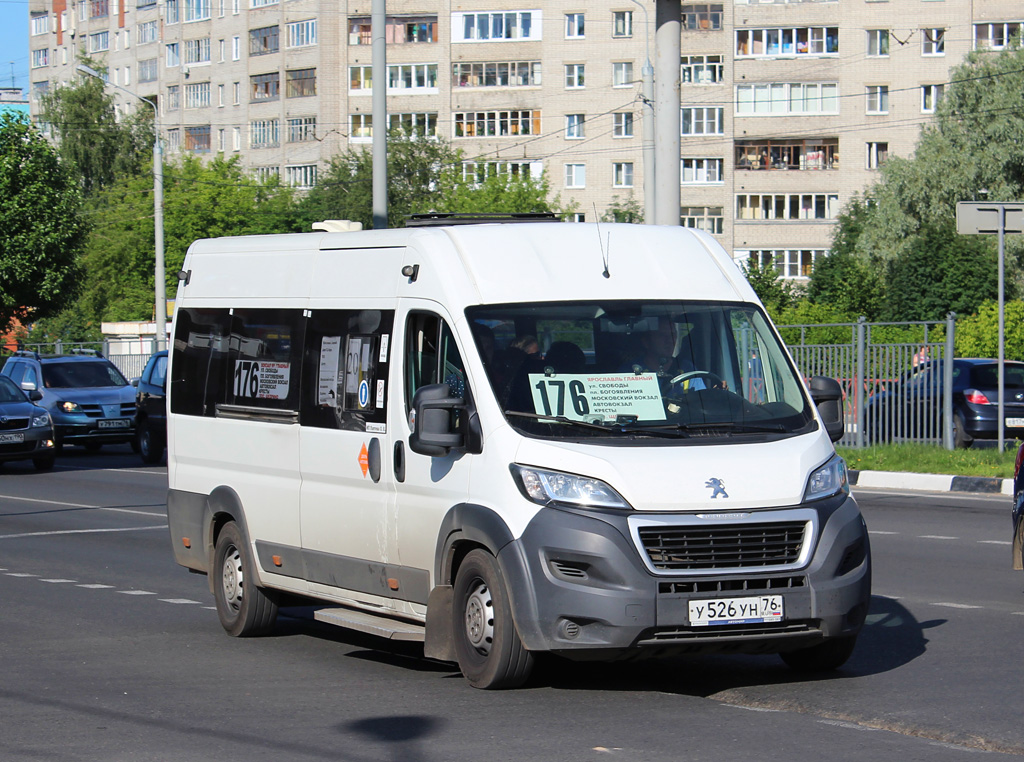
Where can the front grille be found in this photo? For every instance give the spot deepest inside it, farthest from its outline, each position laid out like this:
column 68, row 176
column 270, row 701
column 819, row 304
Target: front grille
column 741, row 585
column 679, row 548
column 665, row 635
column 127, row 410
column 10, row 424
column 17, row 448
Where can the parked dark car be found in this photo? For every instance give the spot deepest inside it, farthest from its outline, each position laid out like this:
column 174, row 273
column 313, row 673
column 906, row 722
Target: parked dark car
column 89, row 401
column 911, row 408
column 151, row 409
column 26, row 432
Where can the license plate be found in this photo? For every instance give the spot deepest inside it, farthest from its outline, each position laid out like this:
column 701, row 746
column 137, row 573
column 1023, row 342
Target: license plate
column 749, row 610
column 117, row 423
column 1014, row 423
column 11, row 438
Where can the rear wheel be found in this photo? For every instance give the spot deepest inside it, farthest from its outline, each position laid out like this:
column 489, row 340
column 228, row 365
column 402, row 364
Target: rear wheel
column 243, row 608
column 824, row 657
column 488, row 648
column 149, row 445
column 961, row 439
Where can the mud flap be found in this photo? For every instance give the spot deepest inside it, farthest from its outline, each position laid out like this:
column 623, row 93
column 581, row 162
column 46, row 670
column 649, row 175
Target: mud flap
column 439, row 643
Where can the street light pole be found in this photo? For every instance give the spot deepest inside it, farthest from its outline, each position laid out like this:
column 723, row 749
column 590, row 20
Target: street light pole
column 160, row 282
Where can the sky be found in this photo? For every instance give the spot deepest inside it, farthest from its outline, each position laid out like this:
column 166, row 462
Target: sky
column 14, row 43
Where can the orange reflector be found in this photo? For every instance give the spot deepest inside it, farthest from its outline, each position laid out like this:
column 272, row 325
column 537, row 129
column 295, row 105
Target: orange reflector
column 186, row 542
column 277, row 560
column 392, row 583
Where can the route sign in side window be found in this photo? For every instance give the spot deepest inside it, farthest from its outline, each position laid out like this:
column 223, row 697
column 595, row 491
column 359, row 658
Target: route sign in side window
column 345, row 369
column 264, row 358
column 200, row 361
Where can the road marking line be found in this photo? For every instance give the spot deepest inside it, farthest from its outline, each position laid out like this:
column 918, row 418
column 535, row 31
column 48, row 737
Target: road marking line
column 135, row 592
column 96, row 587
column 178, row 600
column 56, row 580
column 752, row 708
column 994, row 542
column 20, row 574
column 79, row 531
column 875, row 531
column 79, row 505
column 936, row 537
column 112, row 470
column 848, row 725
column 956, row 605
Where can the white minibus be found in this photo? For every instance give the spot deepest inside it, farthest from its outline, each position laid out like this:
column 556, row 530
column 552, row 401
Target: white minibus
column 507, row 439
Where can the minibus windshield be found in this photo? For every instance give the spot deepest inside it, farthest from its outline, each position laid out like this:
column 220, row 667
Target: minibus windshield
column 662, row 369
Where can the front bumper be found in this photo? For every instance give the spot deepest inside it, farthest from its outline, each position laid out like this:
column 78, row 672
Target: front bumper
column 83, row 430
column 579, row 586
column 38, row 441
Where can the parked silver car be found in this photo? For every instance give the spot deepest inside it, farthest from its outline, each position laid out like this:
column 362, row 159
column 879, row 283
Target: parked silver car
column 26, row 432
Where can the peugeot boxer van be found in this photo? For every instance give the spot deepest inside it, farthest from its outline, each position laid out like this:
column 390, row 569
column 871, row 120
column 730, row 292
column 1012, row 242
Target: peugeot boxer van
column 502, row 440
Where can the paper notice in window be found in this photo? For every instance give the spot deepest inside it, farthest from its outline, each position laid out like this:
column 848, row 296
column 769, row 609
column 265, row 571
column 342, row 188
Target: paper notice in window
column 598, row 397
column 330, row 363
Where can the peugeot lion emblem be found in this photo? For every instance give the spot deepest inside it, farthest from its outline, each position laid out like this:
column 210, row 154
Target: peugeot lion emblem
column 717, row 487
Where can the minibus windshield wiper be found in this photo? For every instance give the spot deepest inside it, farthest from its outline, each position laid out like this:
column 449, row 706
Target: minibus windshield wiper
column 614, row 428
column 731, row 426
column 557, row 419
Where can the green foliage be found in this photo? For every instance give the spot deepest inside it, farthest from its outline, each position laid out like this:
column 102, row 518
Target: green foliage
column 978, row 335
column 826, row 324
column 776, row 293
column 497, row 194
column 90, row 140
column 41, row 226
column 628, row 209
column 931, row 459
column 200, row 201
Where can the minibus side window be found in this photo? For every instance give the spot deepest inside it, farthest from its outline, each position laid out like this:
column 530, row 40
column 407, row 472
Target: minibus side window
column 432, row 357
column 200, row 361
column 264, row 351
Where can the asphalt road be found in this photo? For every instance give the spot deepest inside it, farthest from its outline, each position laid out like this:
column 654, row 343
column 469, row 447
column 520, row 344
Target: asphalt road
column 109, row 651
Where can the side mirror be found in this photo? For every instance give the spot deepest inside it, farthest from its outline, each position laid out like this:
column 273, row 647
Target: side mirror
column 28, row 386
column 430, row 421
column 35, row 395
column 828, row 398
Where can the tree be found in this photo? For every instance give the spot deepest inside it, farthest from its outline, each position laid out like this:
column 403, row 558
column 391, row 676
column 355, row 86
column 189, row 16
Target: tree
column 42, row 229
column 90, row 139
column 200, row 201
column 978, row 335
column 772, row 289
column 624, row 210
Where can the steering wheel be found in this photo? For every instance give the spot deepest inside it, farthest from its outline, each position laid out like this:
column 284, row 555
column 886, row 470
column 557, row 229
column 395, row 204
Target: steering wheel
column 713, row 380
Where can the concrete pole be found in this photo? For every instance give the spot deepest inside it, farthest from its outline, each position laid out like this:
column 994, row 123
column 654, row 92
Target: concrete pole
column 380, row 114
column 650, row 171
column 1001, row 406
column 160, row 280
column 668, row 17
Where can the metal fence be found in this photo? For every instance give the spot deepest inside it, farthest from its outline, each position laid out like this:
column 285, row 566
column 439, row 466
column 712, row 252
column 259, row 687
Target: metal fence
column 896, row 386
column 130, row 364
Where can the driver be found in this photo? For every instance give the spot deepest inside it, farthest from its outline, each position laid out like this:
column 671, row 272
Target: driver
column 659, row 356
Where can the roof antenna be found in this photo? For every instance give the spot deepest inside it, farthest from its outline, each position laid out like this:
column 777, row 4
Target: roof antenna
column 604, row 252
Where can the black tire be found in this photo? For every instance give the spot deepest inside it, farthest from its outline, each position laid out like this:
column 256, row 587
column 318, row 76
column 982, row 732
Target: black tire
column 150, row 447
column 961, row 439
column 44, row 462
column 244, row 609
column 94, row 446
column 487, row 646
column 824, row 657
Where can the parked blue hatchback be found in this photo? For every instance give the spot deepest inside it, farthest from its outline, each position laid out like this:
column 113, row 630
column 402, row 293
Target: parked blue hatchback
column 25, row 429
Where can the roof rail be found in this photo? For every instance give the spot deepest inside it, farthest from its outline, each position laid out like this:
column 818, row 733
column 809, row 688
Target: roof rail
column 433, row 219
column 25, row 353
column 84, row 351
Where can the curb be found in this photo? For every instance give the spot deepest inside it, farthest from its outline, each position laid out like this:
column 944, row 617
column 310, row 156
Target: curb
column 931, row 482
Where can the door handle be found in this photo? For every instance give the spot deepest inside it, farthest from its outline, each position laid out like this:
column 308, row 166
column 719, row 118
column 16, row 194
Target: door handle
column 373, row 459
column 400, row 461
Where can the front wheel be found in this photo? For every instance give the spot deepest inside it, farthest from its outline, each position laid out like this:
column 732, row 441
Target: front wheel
column 243, row 608
column 824, row 657
column 44, row 462
column 487, row 646
column 149, row 446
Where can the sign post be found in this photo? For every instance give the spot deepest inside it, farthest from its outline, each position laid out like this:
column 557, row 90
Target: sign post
column 983, row 218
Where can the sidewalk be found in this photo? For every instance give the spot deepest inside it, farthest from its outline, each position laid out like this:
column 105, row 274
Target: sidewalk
column 931, row 482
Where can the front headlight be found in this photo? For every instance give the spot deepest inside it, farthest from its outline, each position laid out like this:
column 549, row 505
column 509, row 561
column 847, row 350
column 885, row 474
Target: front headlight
column 828, row 480
column 41, row 419
column 543, row 487
column 70, row 407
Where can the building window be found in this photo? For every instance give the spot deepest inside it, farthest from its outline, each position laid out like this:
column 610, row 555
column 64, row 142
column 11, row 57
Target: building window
column 99, row 42
column 262, row 3
column 813, row 153
column 171, row 12
column 39, row 23
column 149, row 71
column 99, row 9
column 788, row 263
column 197, row 139
column 622, row 23
column 197, row 51
column 236, row 90
column 573, row 25
column 236, row 48
column 265, row 87
column 197, row 10
column 700, row 171
column 878, row 43
column 574, row 76
column 40, row 58
column 789, row 41
column 397, row 30
column 266, row 174
column 174, row 139
column 496, row 74
column 149, row 31
column 220, row 97
column 173, row 55
column 710, row 219
column 706, row 120
column 360, row 78
column 877, row 154
column 878, row 99
column 416, row 77
column 197, row 95
column 701, row 70
column 236, row 138
column 787, row 206
column 702, row 16
column 300, row 176
column 933, row 42
column 302, row 33
column 995, row 36
column 622, row 74
column 787, row 98
column 264, row 40
column 622, row 124
column 478, row 171
column 482, row 124
column 575, row 175
column 173, row 98
column 360, row 126
column 930, row 97
column 574, row 126
column 419, row 124
column 502, row 26
column 622, row 174
column 265, row 133
column 300, row 83
column 302, row 129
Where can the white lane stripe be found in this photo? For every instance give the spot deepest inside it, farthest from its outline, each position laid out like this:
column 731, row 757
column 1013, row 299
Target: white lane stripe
column 56, row 581
column 113, row 470
column 848, row 725
column 994, row 542
column 79, row 531
column 936, row 537
column 96, row 587
column 20, row 574
column 950, row 605
column 135, row 592
column 178, row 600
column 875, row 531
column 80, row 505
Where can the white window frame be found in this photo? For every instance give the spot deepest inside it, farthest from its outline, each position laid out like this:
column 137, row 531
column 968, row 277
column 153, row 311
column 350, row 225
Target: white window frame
column 622, row 24
column 575, row 76
column 622, row 74
column 476, row 74
column 360, row 127
column 787, row 98
column 264, row 133
column 701, row 171
column 575, row 126
column 149, row 31
column 575, row 28
column 39, row 23
column 997, row 35
column 786, row 207
column 172, row 52
column 99, row 42
column 877, row 44
column 575, row 175
column 622, row 174
column 785, row 42
column 40, row 58
column 877, row 153
column 197, row 95
column 788, row 263
column 496, row 26
column 301, row 34
column 877, row 99
column 702, row 70
column 236, row 47
column 710, row 219
column 705, row 116
column 930, row 97
column 933, row 42
column 622, row 124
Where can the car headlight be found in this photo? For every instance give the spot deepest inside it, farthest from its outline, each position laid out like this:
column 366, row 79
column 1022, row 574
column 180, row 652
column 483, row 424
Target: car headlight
column 41, row 419
column 543, row 487
column 70, row 407
column 828, row 480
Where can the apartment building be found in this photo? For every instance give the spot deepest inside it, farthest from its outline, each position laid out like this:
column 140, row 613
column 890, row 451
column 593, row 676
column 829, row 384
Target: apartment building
column 788, row 108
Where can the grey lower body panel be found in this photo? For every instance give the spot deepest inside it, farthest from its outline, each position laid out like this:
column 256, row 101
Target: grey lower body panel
column 580, row 587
